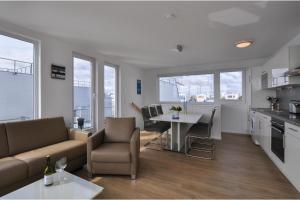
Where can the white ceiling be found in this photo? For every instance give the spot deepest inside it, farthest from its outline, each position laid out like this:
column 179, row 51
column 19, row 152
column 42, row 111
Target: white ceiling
column 139, row 33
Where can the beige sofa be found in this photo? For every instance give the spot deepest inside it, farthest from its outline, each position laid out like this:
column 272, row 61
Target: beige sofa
column 24, row 145
column 116, row 149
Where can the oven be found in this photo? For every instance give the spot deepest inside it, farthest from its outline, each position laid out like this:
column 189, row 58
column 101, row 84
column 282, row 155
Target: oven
column 277, row 141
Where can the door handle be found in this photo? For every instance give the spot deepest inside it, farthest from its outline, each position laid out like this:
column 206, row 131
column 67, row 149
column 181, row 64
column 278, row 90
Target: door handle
column 277, row 129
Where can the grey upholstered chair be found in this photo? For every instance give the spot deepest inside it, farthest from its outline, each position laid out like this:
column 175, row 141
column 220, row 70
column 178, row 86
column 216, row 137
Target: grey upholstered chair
column 199, row 139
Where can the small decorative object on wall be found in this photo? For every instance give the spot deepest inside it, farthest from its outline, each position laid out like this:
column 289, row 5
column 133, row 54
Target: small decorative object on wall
column 139, row 87
column 58, row 72
column 80, row 122
column 175, row 110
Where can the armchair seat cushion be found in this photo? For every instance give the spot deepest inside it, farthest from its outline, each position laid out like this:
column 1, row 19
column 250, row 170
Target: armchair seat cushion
column 12, row 171
column 112, row 153
column 36, row 161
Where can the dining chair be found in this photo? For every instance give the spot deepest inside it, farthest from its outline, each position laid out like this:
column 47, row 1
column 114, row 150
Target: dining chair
column 159, row 110
column 155, row 127
column 199, row 139
column 153, row 111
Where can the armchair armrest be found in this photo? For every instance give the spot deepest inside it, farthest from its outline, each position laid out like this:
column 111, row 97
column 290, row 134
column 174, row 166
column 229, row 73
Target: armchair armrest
column 135, row 152
column 92, row 142
column 75, row 134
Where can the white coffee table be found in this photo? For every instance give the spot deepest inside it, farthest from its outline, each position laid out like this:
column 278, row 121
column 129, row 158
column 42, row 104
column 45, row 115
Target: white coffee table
column 73, row 187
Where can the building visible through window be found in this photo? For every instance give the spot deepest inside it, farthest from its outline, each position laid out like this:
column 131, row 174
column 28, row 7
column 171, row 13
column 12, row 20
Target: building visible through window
column 190, row 88
column 231, row 85
column 82, row 91
column 17, row 81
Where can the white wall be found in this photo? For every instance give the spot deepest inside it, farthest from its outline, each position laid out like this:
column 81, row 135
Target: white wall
column 281, row 57
column 56, row 95
column 234, row 115
column 129, row 77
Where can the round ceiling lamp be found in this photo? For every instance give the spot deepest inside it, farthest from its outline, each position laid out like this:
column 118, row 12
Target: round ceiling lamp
column 243, row 44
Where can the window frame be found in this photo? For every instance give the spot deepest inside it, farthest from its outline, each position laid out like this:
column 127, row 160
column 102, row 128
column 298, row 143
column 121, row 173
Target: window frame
column 117, row 81
column 93, row 93
column 243, row 85
column 186, row 74
column 36, row 70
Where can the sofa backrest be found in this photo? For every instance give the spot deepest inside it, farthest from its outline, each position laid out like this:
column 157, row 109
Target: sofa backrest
column 28, row 135
column 118, row 129
column 3, row 142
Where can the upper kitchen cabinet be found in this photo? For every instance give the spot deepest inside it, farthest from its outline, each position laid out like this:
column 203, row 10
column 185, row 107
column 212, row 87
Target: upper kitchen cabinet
column 281, row 69
column 294, row 57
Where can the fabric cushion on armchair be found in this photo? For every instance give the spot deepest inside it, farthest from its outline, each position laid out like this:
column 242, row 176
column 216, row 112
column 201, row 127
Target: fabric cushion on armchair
column 115, row 149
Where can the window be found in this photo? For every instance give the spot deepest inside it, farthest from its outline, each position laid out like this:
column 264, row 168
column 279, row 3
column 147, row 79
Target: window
column 110, row 91
column 231, row 85
column 83, row 91
column 190, row 88
column 17, row 79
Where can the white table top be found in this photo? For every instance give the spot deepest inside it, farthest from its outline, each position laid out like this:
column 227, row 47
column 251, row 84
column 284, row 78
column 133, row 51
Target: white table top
column 183, row 118
column 73, row 187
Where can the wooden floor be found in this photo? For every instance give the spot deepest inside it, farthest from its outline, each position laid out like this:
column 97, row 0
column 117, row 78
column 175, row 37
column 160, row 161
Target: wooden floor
column 240, row 170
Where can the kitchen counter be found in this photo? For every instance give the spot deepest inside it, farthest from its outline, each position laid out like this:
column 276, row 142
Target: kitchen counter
column 282, row 115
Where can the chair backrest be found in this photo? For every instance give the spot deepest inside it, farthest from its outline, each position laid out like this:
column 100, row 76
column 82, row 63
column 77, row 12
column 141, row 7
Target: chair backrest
column 159, row 109
column 146, row 116
column 153, row 111
column 210, row 123
column 119, row 129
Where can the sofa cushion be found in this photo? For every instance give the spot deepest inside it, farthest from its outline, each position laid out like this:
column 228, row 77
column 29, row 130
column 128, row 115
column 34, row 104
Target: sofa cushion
column 36, row 158
column 3, row 142
column 112, row 153
column 27, row 135
column 118, row 129
column 12, row 171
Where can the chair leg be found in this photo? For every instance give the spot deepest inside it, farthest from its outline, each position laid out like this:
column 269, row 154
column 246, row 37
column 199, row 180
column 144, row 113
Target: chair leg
column 151, row 142
column 210, row 150
column 133, row 177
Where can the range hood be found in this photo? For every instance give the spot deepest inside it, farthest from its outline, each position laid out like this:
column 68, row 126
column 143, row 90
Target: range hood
column 293, row 72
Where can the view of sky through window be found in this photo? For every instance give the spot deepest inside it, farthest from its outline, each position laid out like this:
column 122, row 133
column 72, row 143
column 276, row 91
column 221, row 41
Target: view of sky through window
column 109, row 91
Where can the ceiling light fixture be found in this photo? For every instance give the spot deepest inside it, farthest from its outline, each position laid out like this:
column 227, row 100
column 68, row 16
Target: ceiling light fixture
column 243, row 43
column 178, row 49
column 170, row 16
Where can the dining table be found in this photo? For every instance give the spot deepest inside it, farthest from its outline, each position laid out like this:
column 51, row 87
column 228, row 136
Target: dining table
column 179, row 128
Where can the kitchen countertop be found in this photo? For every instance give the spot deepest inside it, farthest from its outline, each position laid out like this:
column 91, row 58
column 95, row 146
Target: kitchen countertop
column 282, row 115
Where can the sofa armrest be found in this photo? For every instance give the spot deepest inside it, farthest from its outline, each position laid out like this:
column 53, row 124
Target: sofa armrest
column 135, row 152
column 93, row 142
column 75, row 134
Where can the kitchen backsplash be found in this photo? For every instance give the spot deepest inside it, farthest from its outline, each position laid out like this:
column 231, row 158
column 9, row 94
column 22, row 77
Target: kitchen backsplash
column 287, row 94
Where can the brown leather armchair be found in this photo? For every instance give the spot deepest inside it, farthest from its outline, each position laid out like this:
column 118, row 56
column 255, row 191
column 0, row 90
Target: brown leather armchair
column 116, row 149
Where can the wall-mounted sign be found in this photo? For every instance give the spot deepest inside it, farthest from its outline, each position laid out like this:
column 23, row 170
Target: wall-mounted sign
column 139, row 87
column 58, row 72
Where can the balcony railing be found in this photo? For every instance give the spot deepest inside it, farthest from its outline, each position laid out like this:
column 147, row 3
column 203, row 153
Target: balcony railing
column 16, row 66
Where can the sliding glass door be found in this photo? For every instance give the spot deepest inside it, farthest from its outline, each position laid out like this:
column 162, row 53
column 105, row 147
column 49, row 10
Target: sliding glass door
column 110, row 91
column 83, row 91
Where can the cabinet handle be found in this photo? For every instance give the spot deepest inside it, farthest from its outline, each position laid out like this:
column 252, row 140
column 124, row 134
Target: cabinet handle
column 293, row 129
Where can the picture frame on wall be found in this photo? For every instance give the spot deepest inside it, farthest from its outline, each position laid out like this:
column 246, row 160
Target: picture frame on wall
column 139, row 87
column 58, row 72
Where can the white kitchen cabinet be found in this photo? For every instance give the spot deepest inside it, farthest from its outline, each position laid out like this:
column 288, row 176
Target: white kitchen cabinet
column 292, row 154
column 264, row 132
